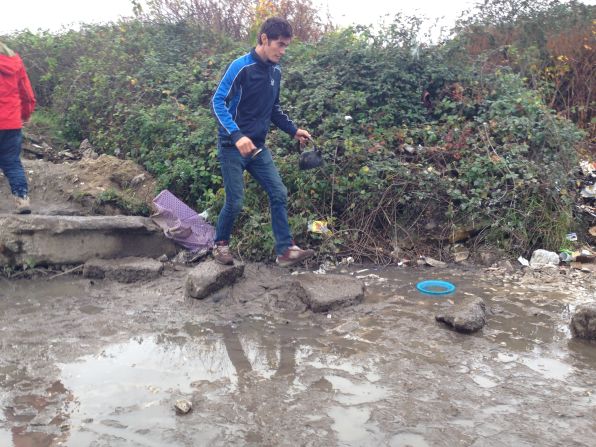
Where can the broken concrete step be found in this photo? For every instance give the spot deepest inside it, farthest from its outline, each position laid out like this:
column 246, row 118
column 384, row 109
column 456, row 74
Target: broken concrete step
column 124, row 270
column 209, row 277
column 55, row 240
column 328, row 292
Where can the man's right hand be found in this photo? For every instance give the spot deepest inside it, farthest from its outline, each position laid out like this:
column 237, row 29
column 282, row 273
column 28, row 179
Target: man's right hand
column 245, row 146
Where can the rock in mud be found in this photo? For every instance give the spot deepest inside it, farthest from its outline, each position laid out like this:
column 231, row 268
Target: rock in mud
column 126, row 270
column 87, row 149
column 583, row 322
column 434, row 262
column 138, row 179
column 327, row 292
column 466, row 317
column 460, row 253
column 183, row 406
column 189, row 257
column 209, row 277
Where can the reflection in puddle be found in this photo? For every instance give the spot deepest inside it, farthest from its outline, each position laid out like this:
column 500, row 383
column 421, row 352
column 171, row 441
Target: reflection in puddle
column 306, row 356
column 408, row 440
column 498, row 409
column 549, row 368
column 484, row 382
column 467, row 423
column 507, row 357
column 5, row 437
column 148, row 367
column 351, row 425
column 263, row 360
column 356, row 393
column 127, row 390
column 131, row 385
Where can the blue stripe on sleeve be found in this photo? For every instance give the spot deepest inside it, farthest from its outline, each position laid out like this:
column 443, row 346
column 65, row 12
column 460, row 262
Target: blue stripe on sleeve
column 224, row 101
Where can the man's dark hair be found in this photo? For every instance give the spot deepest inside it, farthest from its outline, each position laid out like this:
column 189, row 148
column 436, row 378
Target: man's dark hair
column 276, row 27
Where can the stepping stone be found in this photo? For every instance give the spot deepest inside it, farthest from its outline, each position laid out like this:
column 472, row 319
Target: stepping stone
column 209, row 277
column 583, row 322
column 467, row 316
column 124, row 270
column 328, row 292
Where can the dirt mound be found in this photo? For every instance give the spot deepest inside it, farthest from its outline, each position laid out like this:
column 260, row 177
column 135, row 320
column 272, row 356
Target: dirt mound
column 105, row 185
column 115, row 183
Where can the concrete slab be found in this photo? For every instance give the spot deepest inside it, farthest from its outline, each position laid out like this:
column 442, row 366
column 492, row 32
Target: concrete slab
column 55, row 240
column 327, row 292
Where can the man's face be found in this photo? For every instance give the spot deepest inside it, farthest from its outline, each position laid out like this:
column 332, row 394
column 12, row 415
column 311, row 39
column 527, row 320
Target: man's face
column 275, row 49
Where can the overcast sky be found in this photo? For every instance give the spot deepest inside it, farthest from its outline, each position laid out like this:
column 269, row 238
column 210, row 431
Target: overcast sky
column 55, row 14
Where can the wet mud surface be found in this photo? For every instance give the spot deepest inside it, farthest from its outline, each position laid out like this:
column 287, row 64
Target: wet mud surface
column 98, row 363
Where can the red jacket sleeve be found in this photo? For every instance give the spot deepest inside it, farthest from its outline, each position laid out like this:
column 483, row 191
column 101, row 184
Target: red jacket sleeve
column 26, row 94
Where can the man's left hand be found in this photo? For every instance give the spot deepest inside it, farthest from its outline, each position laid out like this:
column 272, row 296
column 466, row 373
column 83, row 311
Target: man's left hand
column 302, row 135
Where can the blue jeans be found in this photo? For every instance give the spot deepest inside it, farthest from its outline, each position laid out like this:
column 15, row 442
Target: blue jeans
column 264, row 171
column 10, row 161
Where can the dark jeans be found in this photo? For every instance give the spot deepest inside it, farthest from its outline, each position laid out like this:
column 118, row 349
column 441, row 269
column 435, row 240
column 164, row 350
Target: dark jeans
column 264, row 171
column 10, row 161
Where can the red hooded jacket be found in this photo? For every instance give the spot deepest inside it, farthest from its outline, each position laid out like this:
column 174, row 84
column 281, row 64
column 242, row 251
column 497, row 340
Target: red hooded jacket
column 17, row 100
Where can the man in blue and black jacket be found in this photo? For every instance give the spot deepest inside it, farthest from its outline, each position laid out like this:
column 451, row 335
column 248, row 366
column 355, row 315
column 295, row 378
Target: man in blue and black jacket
column 245, row 104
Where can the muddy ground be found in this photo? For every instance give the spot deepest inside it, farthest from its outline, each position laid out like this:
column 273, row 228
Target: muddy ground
column 98, row 363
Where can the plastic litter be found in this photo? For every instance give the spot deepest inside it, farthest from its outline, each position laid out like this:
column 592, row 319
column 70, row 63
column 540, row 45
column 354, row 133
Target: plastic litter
column 523, row 261
column 435, row 287
column 544, row 258
column 319, row 226
column 589, row 191
column 588, row 168
column 181, row 223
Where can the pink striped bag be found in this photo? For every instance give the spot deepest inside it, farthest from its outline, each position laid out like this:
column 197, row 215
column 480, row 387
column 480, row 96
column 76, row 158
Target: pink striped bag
column 181, row 223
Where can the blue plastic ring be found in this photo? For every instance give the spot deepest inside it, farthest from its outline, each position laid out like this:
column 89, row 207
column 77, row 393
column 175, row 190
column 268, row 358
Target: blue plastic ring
column 430, row 287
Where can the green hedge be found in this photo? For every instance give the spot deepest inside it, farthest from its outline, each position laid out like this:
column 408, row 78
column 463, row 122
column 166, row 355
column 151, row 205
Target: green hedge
column 483, row 152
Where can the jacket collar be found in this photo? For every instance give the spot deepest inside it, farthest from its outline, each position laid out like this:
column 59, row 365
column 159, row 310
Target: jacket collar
column 260, row 61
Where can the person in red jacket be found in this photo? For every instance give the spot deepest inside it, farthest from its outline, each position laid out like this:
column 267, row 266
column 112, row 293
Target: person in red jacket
column 17, row 102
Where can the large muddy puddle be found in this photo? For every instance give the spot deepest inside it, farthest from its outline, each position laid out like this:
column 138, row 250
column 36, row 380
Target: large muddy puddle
column 102, row 364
